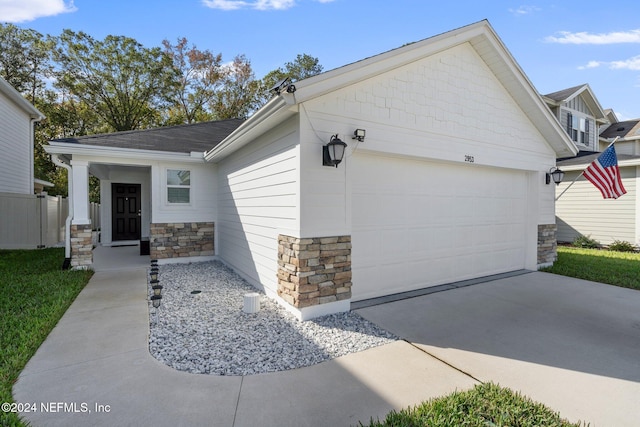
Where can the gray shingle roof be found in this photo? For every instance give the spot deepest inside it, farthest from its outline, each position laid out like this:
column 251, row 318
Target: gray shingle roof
column 563, row 94
column 621, row 129
column 198, row 137
column 585, row 158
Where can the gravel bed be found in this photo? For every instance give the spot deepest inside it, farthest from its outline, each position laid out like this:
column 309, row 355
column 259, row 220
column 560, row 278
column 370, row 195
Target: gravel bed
column 208, row 333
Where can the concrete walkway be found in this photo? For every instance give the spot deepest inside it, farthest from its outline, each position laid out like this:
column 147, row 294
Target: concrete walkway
column 572, row 345
column 97, row 359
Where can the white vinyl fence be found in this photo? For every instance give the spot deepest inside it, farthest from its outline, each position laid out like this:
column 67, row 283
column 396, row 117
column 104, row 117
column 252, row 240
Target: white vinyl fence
column 36, row 221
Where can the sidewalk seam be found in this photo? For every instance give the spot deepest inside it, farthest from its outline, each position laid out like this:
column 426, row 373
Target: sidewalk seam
column 444, row 361
column 235, row 413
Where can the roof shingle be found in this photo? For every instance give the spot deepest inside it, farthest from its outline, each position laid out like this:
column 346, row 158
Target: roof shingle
column 197, row 137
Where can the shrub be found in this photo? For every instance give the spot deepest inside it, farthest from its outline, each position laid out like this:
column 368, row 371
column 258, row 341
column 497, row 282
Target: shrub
column 622, row 246
column 586, row 242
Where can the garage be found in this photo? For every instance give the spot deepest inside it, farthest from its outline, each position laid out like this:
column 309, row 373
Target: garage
column 425, row 223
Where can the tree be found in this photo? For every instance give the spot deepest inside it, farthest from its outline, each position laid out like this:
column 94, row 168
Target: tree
column 123, row 82
column 302, row 67
column 200, row 76
column 25, row 59
column 238, row 97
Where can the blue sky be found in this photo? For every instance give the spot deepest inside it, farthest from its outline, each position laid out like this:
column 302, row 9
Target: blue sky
column 559, row 44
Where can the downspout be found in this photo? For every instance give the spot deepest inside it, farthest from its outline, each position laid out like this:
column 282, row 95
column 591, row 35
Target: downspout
column 67, row 223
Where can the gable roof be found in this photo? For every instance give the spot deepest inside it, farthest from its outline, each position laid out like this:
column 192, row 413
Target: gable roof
column 480, row 35
column 626, row 129
column 566, row 95
column 197, row 137
column 18, row 99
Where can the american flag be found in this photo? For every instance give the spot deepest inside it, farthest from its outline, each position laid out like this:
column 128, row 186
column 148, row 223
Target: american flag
column 605, row 174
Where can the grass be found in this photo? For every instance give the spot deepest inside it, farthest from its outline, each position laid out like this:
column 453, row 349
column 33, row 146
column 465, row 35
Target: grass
column 35, row 293
column 484, row 405
column 614, row 268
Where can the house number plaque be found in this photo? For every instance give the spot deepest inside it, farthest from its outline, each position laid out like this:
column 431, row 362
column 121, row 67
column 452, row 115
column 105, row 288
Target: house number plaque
column 468, row 158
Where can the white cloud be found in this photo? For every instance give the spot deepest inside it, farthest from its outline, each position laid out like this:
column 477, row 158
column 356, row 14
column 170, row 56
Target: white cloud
column 28, row 10
column 627, row 64
column 524, row 10
column 256, row 4
column 566, row 37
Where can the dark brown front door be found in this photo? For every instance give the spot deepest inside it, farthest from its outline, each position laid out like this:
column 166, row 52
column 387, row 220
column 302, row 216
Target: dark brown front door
column 125, row 216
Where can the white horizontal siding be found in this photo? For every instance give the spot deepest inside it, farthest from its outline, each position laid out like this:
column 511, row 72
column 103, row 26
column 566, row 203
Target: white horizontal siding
column 449, row 106
column 258, row 198
column 583, row 211
column 16, row 159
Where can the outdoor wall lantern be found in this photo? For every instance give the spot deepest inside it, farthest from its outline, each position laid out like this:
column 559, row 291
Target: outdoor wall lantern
column 155, row 300
column 333, row 152
column 556, row 174
column 359, row 134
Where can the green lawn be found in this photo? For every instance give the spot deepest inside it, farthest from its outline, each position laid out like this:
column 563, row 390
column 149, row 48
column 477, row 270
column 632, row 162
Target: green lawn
column 34, row 294
column 614, row 268
column 484, row 405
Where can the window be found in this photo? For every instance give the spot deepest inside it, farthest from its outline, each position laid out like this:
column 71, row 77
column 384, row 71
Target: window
column 578, row 129
column 178, row 186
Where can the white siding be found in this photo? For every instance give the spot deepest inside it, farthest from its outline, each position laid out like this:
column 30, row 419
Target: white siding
column 258, row 196
column 16, row 159
column 583, row 211
column 203, row 204
column 449, row 106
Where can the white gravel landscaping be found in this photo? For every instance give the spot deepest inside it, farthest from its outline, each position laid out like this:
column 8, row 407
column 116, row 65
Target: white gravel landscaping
column 208, row 333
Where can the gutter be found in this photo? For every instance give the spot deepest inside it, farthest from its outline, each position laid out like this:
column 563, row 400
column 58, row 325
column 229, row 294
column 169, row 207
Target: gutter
column 67, row 223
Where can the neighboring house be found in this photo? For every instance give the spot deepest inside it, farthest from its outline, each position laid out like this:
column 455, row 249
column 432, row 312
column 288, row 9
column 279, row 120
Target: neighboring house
column 447, row 184
column 580, row 115
column 17, row 118
column 581, row 210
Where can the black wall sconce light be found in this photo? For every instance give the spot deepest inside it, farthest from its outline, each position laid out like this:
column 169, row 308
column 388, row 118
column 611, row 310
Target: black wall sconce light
column 333, row 152
column 359, row 134
column 556, row 174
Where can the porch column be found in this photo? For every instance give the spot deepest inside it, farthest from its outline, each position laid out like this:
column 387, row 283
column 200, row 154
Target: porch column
column 80, row 176
column 81, row 245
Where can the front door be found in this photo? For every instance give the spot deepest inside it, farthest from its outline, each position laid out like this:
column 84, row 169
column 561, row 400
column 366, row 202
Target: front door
column 125, row 216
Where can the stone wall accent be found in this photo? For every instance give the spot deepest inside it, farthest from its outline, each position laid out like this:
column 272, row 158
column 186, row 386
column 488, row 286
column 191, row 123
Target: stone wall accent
column 181, row 239
column 547, row 244
column 313, row 271
column 81, row 246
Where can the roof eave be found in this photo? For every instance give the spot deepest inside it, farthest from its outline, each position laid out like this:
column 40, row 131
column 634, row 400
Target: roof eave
column 272, row 113
column 18, row 99
column 71, row 149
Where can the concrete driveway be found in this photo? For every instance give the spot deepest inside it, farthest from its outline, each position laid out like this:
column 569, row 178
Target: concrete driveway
column 571, row 344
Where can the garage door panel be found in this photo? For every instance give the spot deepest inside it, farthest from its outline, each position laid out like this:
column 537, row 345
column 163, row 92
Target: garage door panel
column 464, row 221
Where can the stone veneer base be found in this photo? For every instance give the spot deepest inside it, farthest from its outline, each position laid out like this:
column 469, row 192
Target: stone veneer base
column 547, row 244
column 314, row 271
column 81, row 246
column 181, row 240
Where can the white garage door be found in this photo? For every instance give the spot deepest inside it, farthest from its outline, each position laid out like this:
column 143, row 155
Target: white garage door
column 418, row 224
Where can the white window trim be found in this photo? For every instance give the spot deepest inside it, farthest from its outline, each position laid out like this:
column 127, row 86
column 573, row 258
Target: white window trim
column 167, row 186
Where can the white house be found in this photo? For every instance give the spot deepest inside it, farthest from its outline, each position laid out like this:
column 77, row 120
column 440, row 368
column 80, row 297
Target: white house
column 446, row 181
column 581, row 210
column 17, row 118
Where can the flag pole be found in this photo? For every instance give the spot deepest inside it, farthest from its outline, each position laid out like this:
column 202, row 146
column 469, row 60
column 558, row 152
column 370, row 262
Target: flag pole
column 581, row 173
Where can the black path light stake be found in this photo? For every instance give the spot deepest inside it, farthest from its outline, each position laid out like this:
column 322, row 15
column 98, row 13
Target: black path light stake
column 153, row 273
column 157, row 289
column 155, row 300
